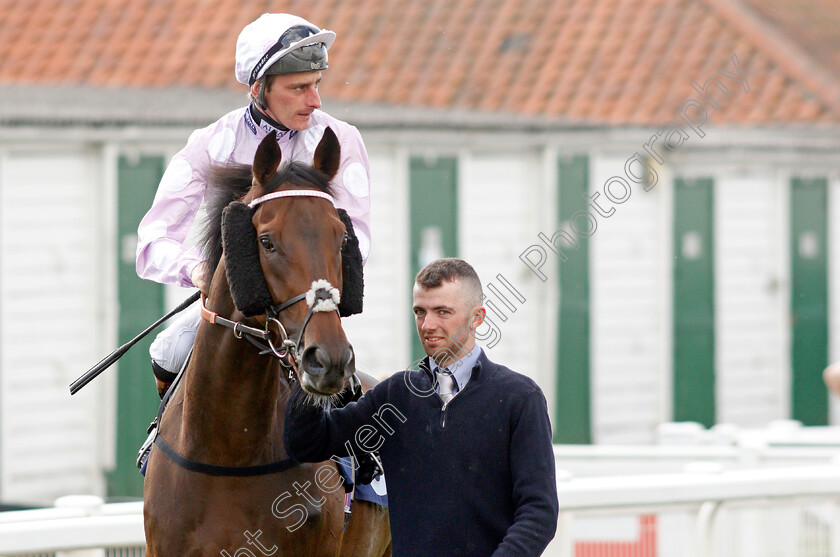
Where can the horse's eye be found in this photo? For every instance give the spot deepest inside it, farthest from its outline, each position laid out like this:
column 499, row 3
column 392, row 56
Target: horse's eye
column 266, row 243
column 344, row 241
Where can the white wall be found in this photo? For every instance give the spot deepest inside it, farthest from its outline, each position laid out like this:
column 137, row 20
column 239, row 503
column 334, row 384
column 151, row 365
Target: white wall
column 380, row 335
column 627, row 329
column 52, row 285
column 751, row 343
column 631, row 275
column 500, row 204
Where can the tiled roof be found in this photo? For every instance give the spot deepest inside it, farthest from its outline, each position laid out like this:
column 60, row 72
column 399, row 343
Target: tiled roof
column 622, row 62
column 814, row 24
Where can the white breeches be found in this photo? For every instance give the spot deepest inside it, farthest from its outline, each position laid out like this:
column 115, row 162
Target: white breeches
column 172, row 345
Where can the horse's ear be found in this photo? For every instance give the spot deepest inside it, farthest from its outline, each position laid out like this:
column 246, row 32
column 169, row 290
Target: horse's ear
column 328, row 153
column 267, row 158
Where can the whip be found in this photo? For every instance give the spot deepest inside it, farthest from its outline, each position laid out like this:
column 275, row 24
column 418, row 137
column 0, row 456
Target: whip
column 109, row 360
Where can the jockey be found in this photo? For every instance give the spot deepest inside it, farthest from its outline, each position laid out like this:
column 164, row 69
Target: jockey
column 280, row 57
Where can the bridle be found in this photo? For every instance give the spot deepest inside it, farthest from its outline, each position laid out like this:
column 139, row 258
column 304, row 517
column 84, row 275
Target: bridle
column 322, row 296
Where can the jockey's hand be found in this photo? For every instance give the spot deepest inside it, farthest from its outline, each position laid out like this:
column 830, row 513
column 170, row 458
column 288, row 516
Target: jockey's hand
column 197, row 277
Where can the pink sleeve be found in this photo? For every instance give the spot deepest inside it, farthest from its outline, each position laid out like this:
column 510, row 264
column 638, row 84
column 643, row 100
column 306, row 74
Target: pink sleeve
column 352, row 183
column 161, row 254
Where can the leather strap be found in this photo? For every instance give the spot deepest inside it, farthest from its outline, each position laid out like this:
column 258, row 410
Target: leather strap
column 216, row 470
column 210, row 469
column 238, row 327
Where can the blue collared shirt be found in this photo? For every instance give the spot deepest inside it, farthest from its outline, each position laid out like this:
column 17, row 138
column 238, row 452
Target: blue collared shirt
column 462, row 369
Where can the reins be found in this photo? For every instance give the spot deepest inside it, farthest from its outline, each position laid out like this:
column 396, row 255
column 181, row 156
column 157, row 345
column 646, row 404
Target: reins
column 287, row 354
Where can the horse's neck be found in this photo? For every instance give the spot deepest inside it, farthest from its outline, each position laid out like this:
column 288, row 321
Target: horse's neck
column 230, row 391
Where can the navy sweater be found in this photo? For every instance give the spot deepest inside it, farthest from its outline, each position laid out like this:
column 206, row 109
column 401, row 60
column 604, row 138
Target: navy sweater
column 473, row 478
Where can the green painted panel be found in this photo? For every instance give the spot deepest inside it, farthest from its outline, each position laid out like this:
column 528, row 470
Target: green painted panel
column 433, row 209
column 694, row 304
column 141, row 303
column 573, row 415
column 809, row 299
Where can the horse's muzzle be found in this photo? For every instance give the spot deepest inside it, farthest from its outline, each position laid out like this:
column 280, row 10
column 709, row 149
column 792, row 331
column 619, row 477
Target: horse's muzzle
column 327, row 370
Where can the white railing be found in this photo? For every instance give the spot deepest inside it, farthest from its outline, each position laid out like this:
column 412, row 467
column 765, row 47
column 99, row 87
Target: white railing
column 669, row 514
column 730, row 495
column 782, row 443
column 778, row 433
column 612, row 460
column 78, row 526
column 692, row 502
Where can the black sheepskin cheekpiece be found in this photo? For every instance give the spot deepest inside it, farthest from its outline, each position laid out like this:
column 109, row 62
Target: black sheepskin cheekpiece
column 244, row 273
column 352, row 271
column 242, row 260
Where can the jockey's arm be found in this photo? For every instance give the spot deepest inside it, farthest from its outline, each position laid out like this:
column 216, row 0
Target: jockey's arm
column 352, row 184
column 161, row 253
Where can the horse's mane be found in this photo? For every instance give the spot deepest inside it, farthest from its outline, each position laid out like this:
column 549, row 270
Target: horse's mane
column 228, row 182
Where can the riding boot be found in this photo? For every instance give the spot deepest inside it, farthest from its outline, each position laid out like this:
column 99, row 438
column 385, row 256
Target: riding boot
column 162, row 387
column 163, row 378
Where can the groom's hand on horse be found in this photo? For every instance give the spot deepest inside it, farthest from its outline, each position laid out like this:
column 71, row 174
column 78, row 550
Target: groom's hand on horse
column 369, row 467
column 368, row 464
column 300, row 413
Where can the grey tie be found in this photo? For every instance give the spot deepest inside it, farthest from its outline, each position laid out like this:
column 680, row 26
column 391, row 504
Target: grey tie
column 447, row 384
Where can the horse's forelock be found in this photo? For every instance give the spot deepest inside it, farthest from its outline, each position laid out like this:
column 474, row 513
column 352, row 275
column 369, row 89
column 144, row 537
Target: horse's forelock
column 300, row 175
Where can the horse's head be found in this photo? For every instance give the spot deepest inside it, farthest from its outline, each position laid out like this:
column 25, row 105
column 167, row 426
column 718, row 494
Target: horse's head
column 298, row 237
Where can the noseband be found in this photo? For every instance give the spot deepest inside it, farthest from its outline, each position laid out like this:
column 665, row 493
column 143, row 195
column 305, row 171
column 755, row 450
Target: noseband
column 322, row 296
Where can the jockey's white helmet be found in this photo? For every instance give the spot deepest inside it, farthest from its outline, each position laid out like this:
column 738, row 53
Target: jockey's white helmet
column 278, row 44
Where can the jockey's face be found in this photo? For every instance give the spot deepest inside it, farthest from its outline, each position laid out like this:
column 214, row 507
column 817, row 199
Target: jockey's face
column 291, row 98
column 446, row 320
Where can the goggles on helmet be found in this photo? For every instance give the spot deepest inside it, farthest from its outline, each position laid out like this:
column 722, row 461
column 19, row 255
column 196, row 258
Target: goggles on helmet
column 306, row 58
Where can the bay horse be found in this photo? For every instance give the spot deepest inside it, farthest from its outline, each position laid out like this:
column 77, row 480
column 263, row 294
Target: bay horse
column 219, row 480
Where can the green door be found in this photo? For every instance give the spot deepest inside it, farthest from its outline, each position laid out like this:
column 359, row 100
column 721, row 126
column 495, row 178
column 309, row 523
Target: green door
column 809, row 299
column 141, row 303
column 573, row 416
column 694, row 303
column 433, row 209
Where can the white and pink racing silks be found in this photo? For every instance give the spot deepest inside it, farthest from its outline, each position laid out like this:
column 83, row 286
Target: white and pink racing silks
column 161, row 252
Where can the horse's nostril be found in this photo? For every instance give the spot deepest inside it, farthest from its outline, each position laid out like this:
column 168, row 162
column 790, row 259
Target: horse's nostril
column 315, row 361
column 349, row 361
